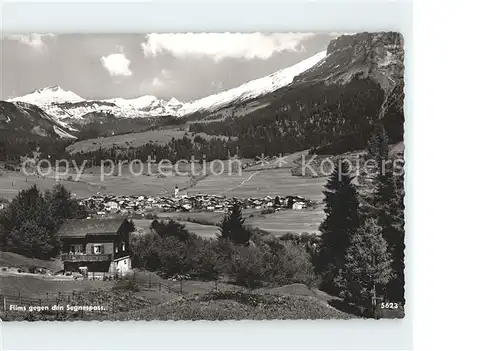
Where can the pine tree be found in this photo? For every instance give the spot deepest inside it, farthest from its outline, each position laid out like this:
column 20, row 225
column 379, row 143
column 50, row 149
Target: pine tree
column 342, row 220
column 378, row 145
column 367, row 268
column 388, row 209
column 232, row 227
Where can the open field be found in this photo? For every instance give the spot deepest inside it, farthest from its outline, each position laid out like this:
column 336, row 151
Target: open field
column 271, row 182
column 277, row 223
column 161, row 136
column 12, row 182
column 37, row 285
column 289, row 221
column 90, row 183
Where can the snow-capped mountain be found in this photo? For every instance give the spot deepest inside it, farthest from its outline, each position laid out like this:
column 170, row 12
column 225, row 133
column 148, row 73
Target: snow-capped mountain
column 148, row 104
column 66, row 105
column 253, row 88
column 53, row 94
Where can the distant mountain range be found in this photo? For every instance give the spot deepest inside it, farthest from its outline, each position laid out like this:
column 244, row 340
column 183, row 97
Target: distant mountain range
column 66, row 105
column 374, row 56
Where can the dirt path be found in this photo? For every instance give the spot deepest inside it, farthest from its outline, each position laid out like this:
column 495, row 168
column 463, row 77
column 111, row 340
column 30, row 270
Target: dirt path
column 236, row 187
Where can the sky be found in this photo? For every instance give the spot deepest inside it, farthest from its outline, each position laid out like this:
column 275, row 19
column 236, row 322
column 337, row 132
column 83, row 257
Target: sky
column 186, row 66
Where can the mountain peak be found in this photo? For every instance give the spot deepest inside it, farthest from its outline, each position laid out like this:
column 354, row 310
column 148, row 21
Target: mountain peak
column 48, row 95
column 173, row 101
column 49, row 88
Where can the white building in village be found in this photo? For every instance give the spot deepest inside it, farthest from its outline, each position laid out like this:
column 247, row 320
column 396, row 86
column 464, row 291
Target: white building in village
column 298, row 205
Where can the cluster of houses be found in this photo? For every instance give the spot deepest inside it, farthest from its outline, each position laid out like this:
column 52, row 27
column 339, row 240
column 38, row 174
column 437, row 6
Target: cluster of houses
column 101, row 204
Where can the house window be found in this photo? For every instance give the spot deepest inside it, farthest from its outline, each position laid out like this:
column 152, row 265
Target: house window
column 98, row 249
column 123, row 246
column 116, row 249
column 76, row 249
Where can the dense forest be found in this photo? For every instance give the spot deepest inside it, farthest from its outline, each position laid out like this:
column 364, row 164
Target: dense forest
column 175, row 150
column 328, row 119
column 106, row 124
column 13, row 147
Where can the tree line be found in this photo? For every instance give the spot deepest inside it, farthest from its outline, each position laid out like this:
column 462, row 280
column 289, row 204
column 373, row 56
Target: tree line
column 176, row 149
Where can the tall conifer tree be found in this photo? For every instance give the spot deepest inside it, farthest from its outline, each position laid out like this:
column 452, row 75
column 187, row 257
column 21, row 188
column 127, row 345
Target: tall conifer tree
column 232, row 227
column 342, row 219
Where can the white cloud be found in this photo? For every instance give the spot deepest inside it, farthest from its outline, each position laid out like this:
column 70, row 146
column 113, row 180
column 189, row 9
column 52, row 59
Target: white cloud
column 223, row 45
column 157, row 82
column 117, row 64
column 35, row 40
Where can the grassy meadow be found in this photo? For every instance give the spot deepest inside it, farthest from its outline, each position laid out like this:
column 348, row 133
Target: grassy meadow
column 160, row 136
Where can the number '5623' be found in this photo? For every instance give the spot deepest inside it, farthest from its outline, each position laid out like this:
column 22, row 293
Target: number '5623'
column 391, row 305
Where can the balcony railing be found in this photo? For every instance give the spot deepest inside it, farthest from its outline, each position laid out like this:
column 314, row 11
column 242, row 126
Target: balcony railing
column 85, row 257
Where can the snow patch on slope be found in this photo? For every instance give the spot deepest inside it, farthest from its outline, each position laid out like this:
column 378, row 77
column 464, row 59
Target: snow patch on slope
column 63, row 134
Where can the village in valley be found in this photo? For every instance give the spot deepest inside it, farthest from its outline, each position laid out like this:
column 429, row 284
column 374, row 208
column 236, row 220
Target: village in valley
column 107, row 204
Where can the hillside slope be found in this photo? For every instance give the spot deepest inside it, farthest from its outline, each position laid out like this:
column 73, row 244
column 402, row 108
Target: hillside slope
column 333, row 105
column 20, row 119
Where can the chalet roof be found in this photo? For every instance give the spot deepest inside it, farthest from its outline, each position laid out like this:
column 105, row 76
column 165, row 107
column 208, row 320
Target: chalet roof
column 82, row 227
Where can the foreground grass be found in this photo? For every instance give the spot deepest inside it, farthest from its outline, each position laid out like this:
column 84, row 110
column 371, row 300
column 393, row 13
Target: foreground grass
column 236, row 305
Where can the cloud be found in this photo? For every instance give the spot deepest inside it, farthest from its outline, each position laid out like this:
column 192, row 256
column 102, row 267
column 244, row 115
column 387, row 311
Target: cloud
column 219, row 46
column 117, row 64
column 157, row 82
column 35, row 40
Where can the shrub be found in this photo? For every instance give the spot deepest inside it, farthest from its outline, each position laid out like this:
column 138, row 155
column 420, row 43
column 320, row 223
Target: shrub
column 263, row 261
column 127, row 283
column 171, row 229
column 292, row 264
column 273, row 263
column 250, row 266
column 267, row 211
column 169, row 255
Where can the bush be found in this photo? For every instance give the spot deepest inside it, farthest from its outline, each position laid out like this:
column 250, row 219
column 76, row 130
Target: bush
column 127, row 283
column 169, row 255
column 264, row 261
column 271, row 264
column 250, row 266
column 267, row 211
column 171, row 229
column 292, row 264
